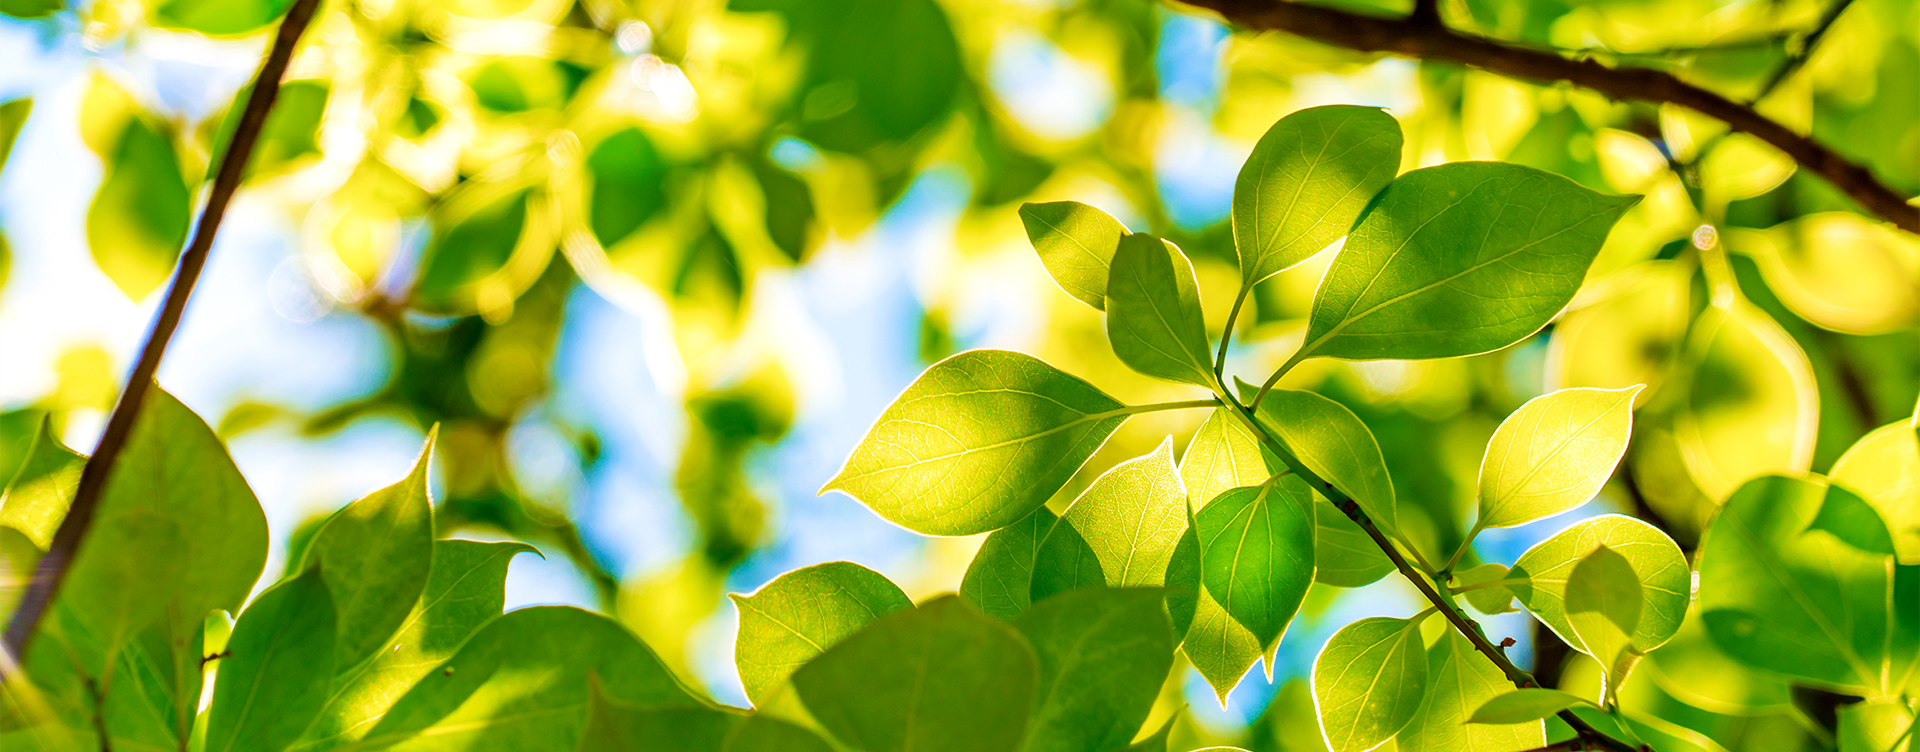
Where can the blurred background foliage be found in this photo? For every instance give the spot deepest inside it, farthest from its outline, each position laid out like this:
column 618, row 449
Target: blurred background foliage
column 654, row 265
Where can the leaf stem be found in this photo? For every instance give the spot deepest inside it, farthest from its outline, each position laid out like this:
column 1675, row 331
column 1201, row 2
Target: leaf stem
column 1298, row 356
column 52, row 569
column 1157, row 407
column 1446, row 572
column 1469, row 629
column 1487, row 584
column 1220, row 360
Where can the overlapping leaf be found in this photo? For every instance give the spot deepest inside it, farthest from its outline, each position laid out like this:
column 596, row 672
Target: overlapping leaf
column 1306, row 182
column 1153, row 312
column 1076, row 242
column 802, row 613
column 1121, row 532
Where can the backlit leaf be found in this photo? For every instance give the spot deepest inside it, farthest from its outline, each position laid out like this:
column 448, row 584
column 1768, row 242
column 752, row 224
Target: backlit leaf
column 137, row 224
column 220, row 17
column 1257, row 554
column 276, row 679
column 1153, row 312
column 1462, row 682
column 1458, row 259
column 1343, row 554
column 1368, row 682
column 1541, row 576
column 1001, row 575
column 521, row 683
column 1884, row 468
column 1604, row 601
column 1224, row 455
column 1103, row 655
column 614, row 726
column 977, row 442
column 1331, row 441
column 1632, row 335
column 939, row 678
column 1492, row 599
column 803, row 612
column 1121, row 532
column 1553, row 454
column 1839, row 270
column 1752, row 406
column 1796, row 578
column 1306, row 182
column 1525, row 705
column 37, row 497
column 376, row 554
column 1076, row 242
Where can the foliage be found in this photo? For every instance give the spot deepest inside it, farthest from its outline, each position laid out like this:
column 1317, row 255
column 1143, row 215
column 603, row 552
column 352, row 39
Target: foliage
column 1118, row 545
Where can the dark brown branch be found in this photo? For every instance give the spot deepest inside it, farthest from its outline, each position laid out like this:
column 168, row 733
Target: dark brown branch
column 1589, row 736
column 1402, row 36
column 52, row 568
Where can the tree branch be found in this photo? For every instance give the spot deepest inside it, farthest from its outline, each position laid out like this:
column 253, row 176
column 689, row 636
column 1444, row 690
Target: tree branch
column 1586, row 734
column 1800, row 56
column 1405, row 37
column 52, row 569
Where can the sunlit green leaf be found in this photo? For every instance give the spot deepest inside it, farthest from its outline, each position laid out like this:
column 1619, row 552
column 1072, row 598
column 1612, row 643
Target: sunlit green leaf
column 31, row 8
column 1368, row 682
column 977, row 442
column 521, row 683
column 1157, row 742
column 629, row 179
column 220, row 17
column 1224, row 455
column 1257, row 554
column 98, row 611
column 138, row 221
column 486, row 240
column 37, row 497
column 1153, row 312
column 1839, row 270
column 1752, row 405
column 465, row 589
column 275, row 680
column 1103, row 655
column 1343, row 554
column 763, row 733
column 1462, row 682
column 1553, row 454
column 1000, row 577
column 1490, row 598
column 1691, row 669
column 375, row 555
column 1331, row 441
column 804, row 612
column 1525, row 705
column 1875, row 726
column 1541, row 576
column 1604, row 601
column 1786, row 587
column 873, row 690
column 1219, row 646
column 1458, row 259
column 1076, row 242
column 1884, row 468
column 1121, row 532
column 13, row 114
column 1306, row 182
column 615, row 726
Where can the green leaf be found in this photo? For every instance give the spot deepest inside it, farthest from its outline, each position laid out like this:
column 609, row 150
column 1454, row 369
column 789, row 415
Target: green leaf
column 629, row 185
column 275, row 680
column 1884, row 468
column 521, row 683
column 1001, row 574
column 1691, row 669
column 219, row 17
column 18, row 556
column 37, row 498
column 1462, row 680
column 13, row 114
column 1553, row 454
column 1257, row 554
column 466, row 588
column 802, row 613
column 1156, row 742
column 1153, row 312
column 1604, row 600
column 1306, row 182
column 614, row 726
column 1224, row 455
column 31, row 8
column 1875, row 726
column 138, row 220
column 1104, row 653
column 480, row 235
column 1368, row 682
column 98, row 611
column 1219, row 646
column 1076, row 243
column 977, row 442
column 763, row 733
column 1329, row 440
column 1785, row 587
column 1525, row 706
column 1121, row 532
column 1458, row 259
column 376, row 554
column 1493, row 599
column 873, row 690
column 1543, row 571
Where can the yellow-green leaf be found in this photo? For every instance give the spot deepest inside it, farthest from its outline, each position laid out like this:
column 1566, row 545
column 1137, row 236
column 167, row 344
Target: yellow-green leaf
column 1153, row 312
column 1553, row 454
column 1331, row 441
column 999, row 578
column 1076, row 242
column 1306, row 182
column 1604, row 601
column 1121, row 532
column 1368, row 682
column 1256, row 549
column 1542, row 572
column 1461, row 683
column 275, row 680
column 1884, row 468
column 802, row 613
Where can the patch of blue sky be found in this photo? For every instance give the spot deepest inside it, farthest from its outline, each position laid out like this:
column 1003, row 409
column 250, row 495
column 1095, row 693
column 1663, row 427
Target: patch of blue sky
column 1049, row 92
column 1188, row 60
column 1194, row 168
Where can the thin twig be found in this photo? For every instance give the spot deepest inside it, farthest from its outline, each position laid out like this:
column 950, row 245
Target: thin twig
column 1799, row 57
column 1401, row 36
column 1467, row 627
column 52, row 569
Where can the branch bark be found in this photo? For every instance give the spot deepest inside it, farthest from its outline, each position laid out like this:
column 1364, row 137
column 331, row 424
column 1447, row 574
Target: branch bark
column 1408, row 37
column 53, row 566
